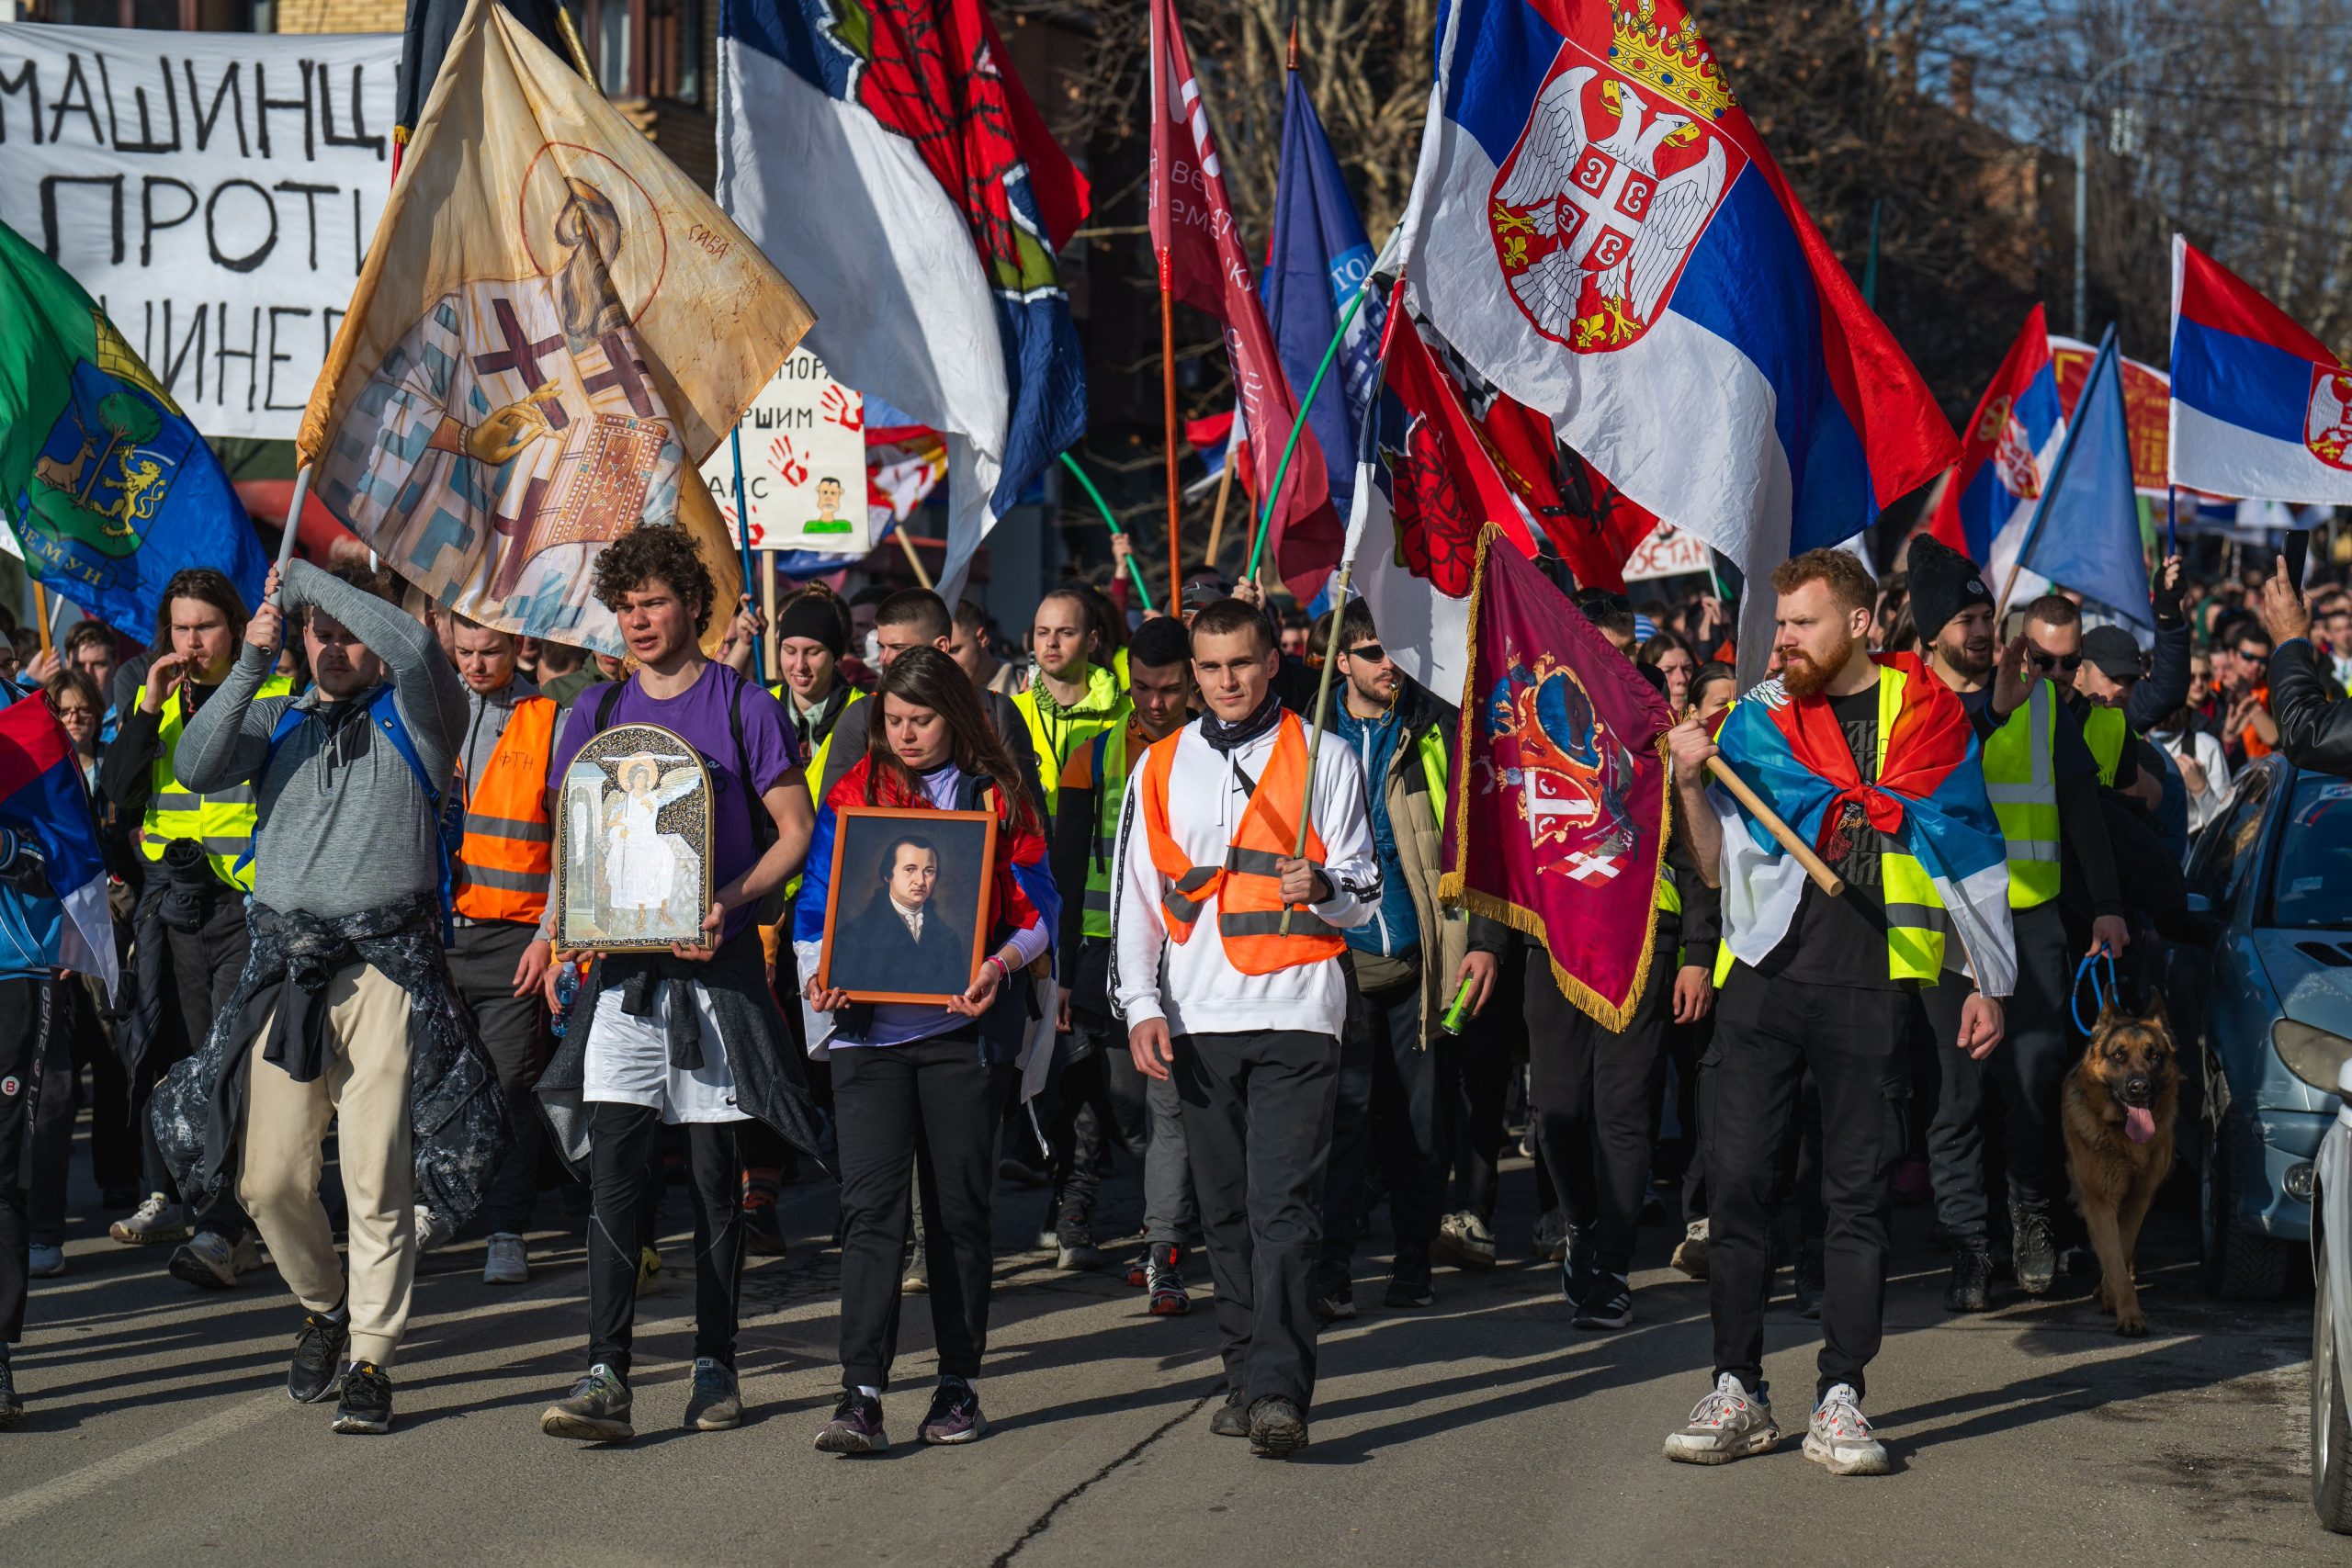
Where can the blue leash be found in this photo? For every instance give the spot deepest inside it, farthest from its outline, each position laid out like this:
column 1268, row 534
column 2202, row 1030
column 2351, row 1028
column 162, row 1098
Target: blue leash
column 2113, row 992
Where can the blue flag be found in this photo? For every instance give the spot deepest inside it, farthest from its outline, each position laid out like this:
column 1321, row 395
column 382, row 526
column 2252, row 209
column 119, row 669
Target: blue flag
column 1318, row 261
column 2088, row 536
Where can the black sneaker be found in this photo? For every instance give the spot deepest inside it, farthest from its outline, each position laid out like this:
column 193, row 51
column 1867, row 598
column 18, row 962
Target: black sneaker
column 2034, row 1251
column 1332, row 1299
column 1608, row 1304
column 1576, row 1267
column 12, row 1407
column 1410, row 1290
column 1811, row 1276
column 1277, row 1428
column 1230, row 1419
column 954, row 1415
column 1969, row 1289
column 366, row 1400
column 317, row 1371
column 855, row 1429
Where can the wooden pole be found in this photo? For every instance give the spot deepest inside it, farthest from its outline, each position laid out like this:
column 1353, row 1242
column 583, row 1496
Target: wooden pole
column 40, row 614
column 1224, row 489
column 906, row 543
column 571, row 46
column 1322, row 713
column 767, row 609
column 1168, row 393
column 1829, row 880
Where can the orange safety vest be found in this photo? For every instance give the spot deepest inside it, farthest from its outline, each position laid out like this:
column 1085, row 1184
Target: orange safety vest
column 502, row 866
column 1248, row 887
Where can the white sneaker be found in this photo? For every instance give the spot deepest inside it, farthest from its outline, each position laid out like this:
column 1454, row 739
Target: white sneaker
column 1729, row 1424
column 508, row 1262
column 1839, row 1440
column 44, row 1262
column 429, row 1235
column 156, row 1220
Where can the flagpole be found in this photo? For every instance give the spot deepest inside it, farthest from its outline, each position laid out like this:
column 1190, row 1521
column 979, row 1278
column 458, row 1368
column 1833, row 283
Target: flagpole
column 41, row 615
column 742, row 534
column 1224, row 489
column 2172, row 520
column 1135, row 573
column 2057, row 473
column 1298, row 425
column 1168, row 396
column 293, row 517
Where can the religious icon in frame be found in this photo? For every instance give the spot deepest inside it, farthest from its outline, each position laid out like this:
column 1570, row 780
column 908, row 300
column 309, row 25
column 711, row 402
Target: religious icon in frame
column 632, row 844
column 908, row 918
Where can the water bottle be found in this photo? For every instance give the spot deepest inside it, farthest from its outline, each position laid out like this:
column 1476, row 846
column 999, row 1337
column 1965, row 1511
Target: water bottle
column 567, row 991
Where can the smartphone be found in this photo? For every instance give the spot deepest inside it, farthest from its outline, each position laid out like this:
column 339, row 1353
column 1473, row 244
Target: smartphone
column 2299, row 547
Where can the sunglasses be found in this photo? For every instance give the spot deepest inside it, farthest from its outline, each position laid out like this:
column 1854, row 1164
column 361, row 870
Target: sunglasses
column 1370, row 653
column 2251, row 657
column 2046, row 663
column 1599, row 603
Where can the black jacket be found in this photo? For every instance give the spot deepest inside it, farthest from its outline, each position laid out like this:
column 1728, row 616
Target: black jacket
column 2314, row 723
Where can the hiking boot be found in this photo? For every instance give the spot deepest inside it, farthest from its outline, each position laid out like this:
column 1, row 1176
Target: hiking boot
column 1576, row 1266
column 1277, row 1427
column 44, row 1261
column 2033, row 1249
column 507, row 1261
column 763, row 1228
column 1729, row 1424
column 211, row 1261
column 855, row 1429
column 1465, row 1241
column 1332, row 1298
column 1811, row 1276
column 366, row 1406
column 1969, row 1288
column 595, row 1411
column 156, row 1221
column 1690, row 1252
column 1608, row 1304
column 1411, row 1291
column 1839, row 1440
column 1551, row 1237
column 1164, row 1273
column 317, row 1368
column 716, row 1404
column 954, row 1415
column 1230, row 1419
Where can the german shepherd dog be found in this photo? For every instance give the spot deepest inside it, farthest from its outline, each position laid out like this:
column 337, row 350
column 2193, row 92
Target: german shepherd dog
column 2118, row 1107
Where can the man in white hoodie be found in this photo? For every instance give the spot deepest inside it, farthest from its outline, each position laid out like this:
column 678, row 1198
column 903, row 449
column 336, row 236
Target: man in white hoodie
column 1243, row 1014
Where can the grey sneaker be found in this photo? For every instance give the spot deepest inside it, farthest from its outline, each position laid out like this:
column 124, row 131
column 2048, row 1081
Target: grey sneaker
column 44, row 1261
column 596, row 1411
column 1839, row 1440
column 1729, row 1424
column 212, row 1261
column 1465, row 1241
column 715, row 1406
column 1074, row 1247
column 507, row 1261
column 155, row 1221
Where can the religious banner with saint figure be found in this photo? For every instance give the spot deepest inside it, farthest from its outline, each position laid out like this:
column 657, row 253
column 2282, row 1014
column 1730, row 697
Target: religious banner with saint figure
column 554, row 327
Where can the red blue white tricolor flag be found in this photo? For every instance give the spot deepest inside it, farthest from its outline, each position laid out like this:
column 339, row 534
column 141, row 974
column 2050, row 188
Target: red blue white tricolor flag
column 2261, row 409
column 1597, row 227
column 885, row 152
column 2005, row 454
column 42, row 801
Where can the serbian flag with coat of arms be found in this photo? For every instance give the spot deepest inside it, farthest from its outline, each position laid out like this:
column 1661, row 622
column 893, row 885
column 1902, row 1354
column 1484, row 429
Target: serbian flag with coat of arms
column 2006, row 453
column 1929, row 798
column 1597, row 227
column 2261, row 409
column 885, row 152
column 1560, row 822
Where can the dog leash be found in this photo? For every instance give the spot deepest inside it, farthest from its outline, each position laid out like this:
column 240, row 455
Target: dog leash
column 2113, row 992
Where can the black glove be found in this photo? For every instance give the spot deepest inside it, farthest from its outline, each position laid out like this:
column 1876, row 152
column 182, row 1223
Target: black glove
column 2167, row 601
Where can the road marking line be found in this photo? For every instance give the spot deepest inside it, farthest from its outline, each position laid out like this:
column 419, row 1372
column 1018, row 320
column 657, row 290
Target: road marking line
column 93, row 1477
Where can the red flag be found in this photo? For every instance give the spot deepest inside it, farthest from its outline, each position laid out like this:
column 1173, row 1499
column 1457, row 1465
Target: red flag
column 1560, row 826
column 1202, row 264
column 1444, row 484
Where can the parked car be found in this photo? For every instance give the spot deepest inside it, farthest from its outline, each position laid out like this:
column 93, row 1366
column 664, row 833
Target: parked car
column 2331, row 1310
column 2271, row 880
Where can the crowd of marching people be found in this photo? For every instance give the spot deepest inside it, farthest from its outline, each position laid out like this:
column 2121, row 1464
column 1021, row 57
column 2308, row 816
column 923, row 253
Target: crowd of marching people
column 328, row 826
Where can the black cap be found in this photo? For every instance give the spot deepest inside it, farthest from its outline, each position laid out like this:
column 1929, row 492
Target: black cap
column 1203, row 589
column 1943, row 582
column 2115, row 651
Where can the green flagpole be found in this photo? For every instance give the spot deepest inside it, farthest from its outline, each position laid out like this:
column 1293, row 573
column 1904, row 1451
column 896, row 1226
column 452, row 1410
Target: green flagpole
column 1135, row 575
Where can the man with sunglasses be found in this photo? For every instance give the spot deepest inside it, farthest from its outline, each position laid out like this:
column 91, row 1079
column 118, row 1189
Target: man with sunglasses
column 2044, row 786
column 2053, row 634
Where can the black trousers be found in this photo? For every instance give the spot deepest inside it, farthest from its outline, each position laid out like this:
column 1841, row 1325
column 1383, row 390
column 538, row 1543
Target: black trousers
column 2019, row 1085
column 24, row 1024
column 1768, row 1034
column 1258, row 1123
column 514, row 1031
column 1385, row 1117
column 77, row 1040
column 621, row 1178
column 1080, row 1118
column 925, row 1113
column 1474, row 1075
column 1592, row 1090
column 206, row 964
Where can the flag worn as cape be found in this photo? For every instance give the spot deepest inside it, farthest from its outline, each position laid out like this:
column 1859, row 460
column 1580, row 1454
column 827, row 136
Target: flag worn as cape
column 1203, row 264
column 1561, row 813
column 553, row 328
column 1929, row 798
column 43, row 801
column 108, row 489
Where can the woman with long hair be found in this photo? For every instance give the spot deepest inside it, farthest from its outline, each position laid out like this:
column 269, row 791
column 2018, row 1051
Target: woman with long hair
column 918, row 1077
column 1671, row 658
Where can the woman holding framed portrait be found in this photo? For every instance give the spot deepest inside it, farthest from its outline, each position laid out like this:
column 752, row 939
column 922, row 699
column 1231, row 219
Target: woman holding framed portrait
column 926, row 901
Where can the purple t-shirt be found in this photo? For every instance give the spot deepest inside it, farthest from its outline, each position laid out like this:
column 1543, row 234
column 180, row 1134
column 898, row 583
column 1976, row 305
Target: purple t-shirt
column 699, row 716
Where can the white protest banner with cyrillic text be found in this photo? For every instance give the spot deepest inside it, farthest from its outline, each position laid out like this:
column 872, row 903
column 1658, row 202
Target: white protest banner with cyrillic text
column 214, row 192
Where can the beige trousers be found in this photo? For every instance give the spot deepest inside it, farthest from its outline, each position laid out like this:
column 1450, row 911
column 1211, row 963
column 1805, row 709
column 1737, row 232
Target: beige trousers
column 365, row 1088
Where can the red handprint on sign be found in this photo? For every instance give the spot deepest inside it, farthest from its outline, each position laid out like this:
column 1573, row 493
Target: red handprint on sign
column 792, row 468
column 835, row 408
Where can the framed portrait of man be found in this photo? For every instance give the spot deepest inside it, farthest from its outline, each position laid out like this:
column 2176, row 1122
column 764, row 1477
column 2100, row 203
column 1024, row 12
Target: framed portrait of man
column 909, row 913
column 632, row 842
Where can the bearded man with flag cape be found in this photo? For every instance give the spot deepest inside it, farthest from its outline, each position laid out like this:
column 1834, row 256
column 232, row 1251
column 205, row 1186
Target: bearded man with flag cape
column 1874, row 762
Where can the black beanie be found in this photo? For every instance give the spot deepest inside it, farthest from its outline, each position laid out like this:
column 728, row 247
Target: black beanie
column 812, row 616
column 1943, row 582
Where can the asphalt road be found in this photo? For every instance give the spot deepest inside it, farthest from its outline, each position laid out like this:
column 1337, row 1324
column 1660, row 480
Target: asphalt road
column 1485, row 1430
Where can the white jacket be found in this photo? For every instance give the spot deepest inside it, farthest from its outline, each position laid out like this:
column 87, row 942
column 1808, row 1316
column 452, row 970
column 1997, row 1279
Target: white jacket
column 1192, row 983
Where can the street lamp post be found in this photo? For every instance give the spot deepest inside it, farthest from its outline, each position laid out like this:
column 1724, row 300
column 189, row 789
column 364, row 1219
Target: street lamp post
column 2082, row 173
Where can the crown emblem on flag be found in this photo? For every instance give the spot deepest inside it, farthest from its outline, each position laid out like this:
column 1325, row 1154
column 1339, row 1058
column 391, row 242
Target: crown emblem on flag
column 1674, row 60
